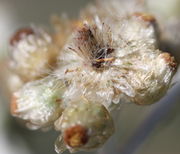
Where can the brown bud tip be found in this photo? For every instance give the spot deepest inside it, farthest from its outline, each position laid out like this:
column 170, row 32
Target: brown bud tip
column 169, row 60
column 76, row 136
column 145, row 17
column 13, row 105
column 18, row 35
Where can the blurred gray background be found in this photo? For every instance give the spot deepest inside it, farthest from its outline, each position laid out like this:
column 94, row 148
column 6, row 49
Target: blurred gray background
column 139, row 130
column 18, row 13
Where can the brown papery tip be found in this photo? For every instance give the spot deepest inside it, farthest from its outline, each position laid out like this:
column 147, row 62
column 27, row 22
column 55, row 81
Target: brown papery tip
column 13, row 105
column 18, row 35
column 76, row 136
column 77, row 24
column 169, row 60
column 145, row 17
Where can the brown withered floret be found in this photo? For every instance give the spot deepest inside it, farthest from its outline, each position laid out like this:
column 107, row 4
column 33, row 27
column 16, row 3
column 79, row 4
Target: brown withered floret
column 76, row 136
column 145, row 17
column 18, row 35
column 170, row 60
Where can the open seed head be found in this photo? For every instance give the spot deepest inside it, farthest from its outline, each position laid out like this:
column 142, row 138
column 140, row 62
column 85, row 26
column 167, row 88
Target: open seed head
column 109, row 63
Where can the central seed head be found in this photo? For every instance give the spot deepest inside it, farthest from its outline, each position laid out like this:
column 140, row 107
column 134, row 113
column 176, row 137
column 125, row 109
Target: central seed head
column 89, row 46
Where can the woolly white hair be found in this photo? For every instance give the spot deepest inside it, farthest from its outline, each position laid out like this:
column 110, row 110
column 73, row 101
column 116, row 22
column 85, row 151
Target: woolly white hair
column 110, row 62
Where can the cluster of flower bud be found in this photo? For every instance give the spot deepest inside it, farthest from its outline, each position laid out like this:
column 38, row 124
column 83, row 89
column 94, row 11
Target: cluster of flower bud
column 102, row 59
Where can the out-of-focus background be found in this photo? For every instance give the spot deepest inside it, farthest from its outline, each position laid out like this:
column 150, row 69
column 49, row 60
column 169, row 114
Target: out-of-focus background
column 139, row 130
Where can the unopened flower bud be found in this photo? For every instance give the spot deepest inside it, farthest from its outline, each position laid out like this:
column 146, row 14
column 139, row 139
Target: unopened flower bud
column 38, row 102
column 140, row 30
column 33, row 53
column 84, row 125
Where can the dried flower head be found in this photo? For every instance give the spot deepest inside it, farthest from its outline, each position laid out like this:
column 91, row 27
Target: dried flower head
column 106, row 64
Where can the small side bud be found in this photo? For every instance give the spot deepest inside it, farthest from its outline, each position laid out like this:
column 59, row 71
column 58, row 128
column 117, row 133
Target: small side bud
column 141, row 29
column 33, row 53
column 38, row 102
column 85, row 125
